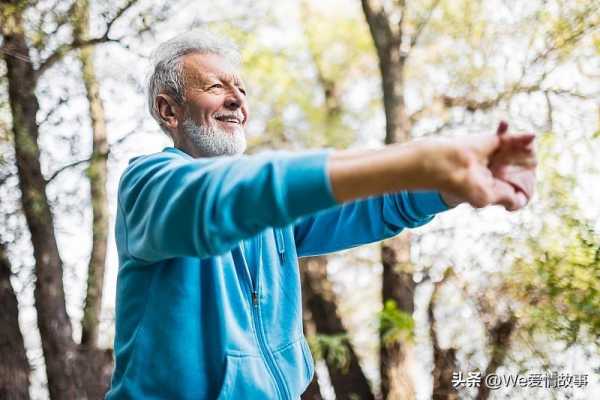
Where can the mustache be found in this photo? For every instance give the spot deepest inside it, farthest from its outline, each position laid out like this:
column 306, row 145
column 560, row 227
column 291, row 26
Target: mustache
column 237, row 115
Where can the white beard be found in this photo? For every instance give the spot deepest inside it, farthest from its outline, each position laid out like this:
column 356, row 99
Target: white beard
column 211, row 141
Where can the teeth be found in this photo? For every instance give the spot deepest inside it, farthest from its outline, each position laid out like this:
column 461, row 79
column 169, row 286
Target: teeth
column 228, row 119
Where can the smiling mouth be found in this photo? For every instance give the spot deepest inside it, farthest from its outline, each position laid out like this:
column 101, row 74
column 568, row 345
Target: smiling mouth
column 230, row 119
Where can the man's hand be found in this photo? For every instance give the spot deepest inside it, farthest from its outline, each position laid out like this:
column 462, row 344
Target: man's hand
column 503, row 173
column 521, row 178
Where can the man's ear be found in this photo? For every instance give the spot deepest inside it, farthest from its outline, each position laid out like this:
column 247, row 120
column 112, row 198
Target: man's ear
column 168, row 110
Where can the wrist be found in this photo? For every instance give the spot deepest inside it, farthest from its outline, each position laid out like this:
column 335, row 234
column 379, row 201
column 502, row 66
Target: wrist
column 450, row 200
column 443, row 166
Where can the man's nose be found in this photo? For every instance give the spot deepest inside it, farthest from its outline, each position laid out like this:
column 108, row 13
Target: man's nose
column 234, row 100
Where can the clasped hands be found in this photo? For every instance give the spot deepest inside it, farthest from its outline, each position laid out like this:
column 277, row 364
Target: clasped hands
column 495, row 170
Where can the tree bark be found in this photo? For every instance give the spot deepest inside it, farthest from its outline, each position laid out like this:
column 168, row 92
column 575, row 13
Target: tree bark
column 55, row 327
column 444, row 360
column 14, row 368
column 320, row 301
column 500, row 335
column 396, row 358
column 313, row 391
column 95, row 364
column 97, row 172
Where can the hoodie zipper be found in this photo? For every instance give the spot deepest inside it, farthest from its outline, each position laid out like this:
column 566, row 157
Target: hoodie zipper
column 267, row 355
column 280, row 245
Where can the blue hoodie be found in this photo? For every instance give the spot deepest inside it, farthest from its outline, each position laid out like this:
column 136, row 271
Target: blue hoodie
column 208, row 290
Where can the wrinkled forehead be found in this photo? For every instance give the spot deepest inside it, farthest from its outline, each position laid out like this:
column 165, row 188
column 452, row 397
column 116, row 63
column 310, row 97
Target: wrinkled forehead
column 204, row 67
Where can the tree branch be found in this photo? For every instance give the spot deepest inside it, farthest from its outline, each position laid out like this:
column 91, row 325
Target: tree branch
column 59, row 19
column 86, row 160
column 550, row 113
column 62, row 50
column 65, row 167
column 4, row 178
column 473, row 105
column 118, row 14
column 445, row 125
column 403, row 10
column 576, row 35
column 378, row 22
column 51, row 112
column 423, row 23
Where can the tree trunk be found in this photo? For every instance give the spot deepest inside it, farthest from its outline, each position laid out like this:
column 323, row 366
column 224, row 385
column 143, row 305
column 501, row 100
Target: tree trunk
column 95, row 364
column 444, row 360
column 397, row 280
column 97, row 172
column 14, row 368
column 320, row 301
column 398, row 285
column 396, row 358
column 55, row 327
column 313, row 391
column 500, row 336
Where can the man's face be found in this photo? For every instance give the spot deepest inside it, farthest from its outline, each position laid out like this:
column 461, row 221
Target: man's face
column 216, row 112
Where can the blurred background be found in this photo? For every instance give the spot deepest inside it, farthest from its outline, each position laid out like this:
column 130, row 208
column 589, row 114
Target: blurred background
column 474, row 292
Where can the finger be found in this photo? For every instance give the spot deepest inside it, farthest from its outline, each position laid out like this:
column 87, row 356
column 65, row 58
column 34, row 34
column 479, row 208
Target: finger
column 484, row 145
column 499, row 161
column 504, row 194
column 517, row 140
column 522, row 200
column 517, row 143
column 502, row 128
column 522, row 179
column 515, row 149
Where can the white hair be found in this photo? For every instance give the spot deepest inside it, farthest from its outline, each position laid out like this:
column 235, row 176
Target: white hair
column 167, row 72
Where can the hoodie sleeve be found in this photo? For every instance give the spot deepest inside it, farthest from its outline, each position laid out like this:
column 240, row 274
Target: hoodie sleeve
column 365, row 221
column 172, row 206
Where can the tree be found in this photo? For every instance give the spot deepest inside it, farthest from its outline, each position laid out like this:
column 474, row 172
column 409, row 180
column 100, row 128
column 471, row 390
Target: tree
column 14, row 370
column 555, row 276
column 444, row 360
column 398, row 31
column 72, row 368
column 97, row 171
column 425, row 27
column 330, row 340
column 393, row 44
column 441, row 66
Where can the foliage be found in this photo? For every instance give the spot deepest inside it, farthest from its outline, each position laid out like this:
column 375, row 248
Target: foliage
column 304, row 93
column 331, row 348
column 557, row 280
column 395, row 325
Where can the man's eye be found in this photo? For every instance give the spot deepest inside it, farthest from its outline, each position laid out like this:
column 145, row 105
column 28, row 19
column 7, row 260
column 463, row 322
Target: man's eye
column 216, row 86
column 242, row 90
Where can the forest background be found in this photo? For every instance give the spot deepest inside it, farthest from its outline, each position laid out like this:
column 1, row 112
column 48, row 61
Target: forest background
column 474, row 291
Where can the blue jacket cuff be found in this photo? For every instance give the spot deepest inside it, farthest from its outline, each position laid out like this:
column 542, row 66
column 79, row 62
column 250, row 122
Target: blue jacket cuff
column 428, row 203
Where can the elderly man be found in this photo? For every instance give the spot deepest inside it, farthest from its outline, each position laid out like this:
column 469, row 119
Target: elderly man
column 208, row 290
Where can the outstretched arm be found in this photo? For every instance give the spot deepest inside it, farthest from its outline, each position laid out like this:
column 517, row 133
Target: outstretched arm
column 364, row 221
column 172, row 207
column 503, row 174
column 468, row 169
